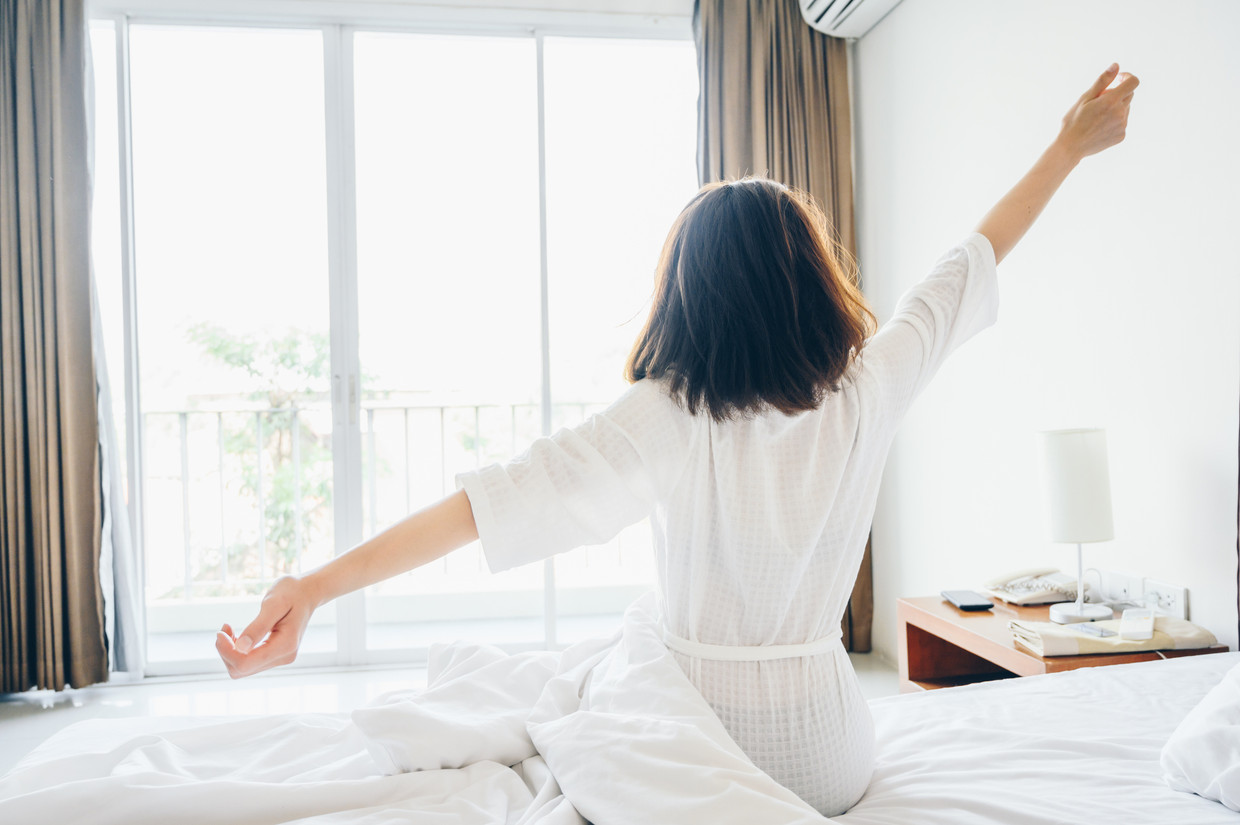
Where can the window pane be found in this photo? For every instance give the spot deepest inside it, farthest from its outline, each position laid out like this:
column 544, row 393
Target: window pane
column 448, row 284
column 620, row 131
column 231, row 268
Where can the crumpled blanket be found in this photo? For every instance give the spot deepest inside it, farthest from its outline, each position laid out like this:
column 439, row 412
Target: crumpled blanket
column 609, row 731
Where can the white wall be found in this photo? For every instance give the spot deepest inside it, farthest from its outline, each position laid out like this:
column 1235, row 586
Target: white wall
column 1121, row 308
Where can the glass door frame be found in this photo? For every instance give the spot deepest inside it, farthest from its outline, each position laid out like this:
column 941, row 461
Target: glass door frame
column 337, row 23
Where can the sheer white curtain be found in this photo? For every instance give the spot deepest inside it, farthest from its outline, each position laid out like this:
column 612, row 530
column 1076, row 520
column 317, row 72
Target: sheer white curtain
column 119, row 567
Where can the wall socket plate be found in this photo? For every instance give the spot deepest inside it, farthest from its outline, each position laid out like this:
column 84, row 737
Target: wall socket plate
column 1120, row 587
column 1166, row 599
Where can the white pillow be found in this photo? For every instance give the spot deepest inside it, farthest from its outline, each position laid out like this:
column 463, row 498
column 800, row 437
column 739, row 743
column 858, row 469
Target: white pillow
column 1203, row 755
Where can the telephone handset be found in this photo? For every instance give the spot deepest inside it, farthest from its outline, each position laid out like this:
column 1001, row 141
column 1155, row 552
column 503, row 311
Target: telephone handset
column 1039, row 585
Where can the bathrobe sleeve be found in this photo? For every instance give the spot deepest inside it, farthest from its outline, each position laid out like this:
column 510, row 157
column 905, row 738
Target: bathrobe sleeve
column 958, row 299
column 582, row 485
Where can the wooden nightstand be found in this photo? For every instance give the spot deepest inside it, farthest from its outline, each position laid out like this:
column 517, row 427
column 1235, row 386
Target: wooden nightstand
column 941, row 646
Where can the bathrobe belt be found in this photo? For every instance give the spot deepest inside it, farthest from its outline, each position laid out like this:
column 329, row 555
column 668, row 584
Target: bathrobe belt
column 750, row 653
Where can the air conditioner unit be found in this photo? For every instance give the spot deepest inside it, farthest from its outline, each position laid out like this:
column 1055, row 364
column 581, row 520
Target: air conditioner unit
column 845, row 18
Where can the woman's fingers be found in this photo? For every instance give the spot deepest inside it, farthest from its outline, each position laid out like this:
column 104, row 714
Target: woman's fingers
column 1128, row 84
column 270, row 612
column 1099, row 119
column 279, row 649
column 272, row 638
column 1122, row 94
column 1101, row 83
column 228, row 653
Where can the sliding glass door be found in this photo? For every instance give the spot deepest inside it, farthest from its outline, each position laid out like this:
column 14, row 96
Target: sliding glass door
column 620, row 115
column 362, row 262
column 230, row 219
column 448, row 308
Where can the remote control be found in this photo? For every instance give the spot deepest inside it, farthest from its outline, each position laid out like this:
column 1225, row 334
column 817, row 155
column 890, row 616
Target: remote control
column 1137, row 624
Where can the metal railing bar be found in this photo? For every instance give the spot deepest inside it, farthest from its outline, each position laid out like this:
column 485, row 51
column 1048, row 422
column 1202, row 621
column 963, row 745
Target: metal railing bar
column 477, row 436
column 408, row 462
column 581, row 416
column 371, row 405
column 443, row 452
column 219, row 433
column 230, row 576
column 295, row 427
column 443, row 464
column 512, row 431
column 262, row 502
column 478, row 461
column 372, row 470
column 183, row 421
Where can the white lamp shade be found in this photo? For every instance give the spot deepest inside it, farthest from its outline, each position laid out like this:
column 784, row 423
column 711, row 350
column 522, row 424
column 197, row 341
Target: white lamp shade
column 1077, row 484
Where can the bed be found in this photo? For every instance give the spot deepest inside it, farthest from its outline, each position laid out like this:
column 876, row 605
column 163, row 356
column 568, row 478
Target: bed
column 559, row 739
column 1066, row 747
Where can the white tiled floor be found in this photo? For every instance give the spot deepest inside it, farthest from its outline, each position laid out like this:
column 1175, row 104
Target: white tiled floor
column 26, row 719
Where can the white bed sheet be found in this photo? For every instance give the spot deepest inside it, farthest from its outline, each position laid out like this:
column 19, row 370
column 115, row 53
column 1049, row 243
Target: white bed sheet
column 1068, row 747
column 1203, row 755
column 1053, row 749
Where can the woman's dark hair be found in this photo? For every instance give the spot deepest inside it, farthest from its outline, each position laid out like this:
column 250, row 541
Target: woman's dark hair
column 754, row 304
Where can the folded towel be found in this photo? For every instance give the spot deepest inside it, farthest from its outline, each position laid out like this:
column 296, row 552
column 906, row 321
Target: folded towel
column 1050, row 639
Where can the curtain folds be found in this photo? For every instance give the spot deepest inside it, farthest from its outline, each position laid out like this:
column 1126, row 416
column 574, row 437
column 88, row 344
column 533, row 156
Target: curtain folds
column 51, row 605
column 120, row 580
column 774, row 102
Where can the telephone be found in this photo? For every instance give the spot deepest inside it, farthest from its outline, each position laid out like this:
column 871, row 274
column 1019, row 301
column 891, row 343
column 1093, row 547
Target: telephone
column 1040, row 585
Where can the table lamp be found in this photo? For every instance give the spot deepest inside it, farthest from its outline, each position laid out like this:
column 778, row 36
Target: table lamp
column 1078, row 502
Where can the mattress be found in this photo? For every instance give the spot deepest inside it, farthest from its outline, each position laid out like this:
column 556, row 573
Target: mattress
column 1067, row 747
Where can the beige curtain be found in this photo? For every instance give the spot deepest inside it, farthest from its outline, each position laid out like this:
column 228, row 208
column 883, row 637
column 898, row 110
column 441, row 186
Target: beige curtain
column 774, row 101
column 51, row 610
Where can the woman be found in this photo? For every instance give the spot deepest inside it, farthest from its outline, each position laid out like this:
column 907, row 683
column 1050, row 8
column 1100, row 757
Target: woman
column 754, row 435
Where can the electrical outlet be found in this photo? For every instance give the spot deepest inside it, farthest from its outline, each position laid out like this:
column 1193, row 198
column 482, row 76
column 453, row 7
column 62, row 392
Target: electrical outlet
column 1167, row 599
column 1119, row 587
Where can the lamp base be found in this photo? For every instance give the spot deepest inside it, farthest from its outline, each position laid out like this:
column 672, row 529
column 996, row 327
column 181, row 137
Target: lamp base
column 1070, row 613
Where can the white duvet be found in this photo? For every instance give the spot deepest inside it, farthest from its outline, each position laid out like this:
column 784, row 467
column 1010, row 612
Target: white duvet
column 616, row 734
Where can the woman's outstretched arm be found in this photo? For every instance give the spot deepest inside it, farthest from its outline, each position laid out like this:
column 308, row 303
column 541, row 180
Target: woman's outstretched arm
column 1095, row 122
column 273, row 637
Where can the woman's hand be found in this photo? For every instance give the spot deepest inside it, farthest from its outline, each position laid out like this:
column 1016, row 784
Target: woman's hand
column 1098, row 120
column 274, row 636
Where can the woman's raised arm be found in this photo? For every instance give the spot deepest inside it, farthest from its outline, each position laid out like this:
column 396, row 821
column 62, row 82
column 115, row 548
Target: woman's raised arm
column 1095, row 122
column 274, row 636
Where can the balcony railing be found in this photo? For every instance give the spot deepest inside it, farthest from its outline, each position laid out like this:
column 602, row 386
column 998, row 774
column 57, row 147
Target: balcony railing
column 247, row 492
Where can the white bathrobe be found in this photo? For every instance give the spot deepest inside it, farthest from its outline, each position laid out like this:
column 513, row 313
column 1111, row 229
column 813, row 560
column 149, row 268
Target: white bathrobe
column 759, row 526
